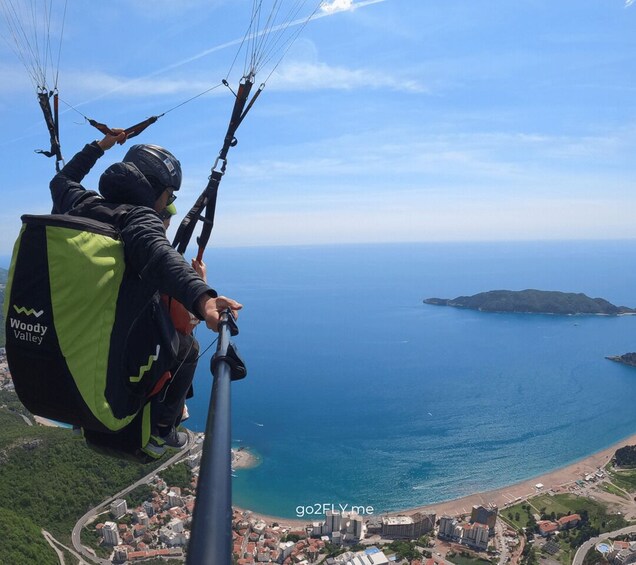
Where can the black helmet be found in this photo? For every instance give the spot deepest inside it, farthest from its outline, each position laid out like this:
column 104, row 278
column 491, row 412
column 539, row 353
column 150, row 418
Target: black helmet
column 158, row 165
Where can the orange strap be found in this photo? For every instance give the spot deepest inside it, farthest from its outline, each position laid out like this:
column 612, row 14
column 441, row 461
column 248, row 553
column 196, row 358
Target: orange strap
column 160, row 383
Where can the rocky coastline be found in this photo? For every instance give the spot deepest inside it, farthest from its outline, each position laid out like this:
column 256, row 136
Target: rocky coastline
column 625, row 359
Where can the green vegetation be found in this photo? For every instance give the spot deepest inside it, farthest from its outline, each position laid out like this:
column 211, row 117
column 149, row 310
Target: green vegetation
column 519, row 516
column 625, row 456
column 10, row 400
column 22, row 541
column 529, row 555
column 138, row 496
column 405, row 550
column 594, row 520
column 423, row 541
column 177, row 476
column 623, row 478
column 90, row 538
column 330, row 549
column 613, row 489
column 596, row 513
column 48, row 479
column 465, row 558
column 593, row 557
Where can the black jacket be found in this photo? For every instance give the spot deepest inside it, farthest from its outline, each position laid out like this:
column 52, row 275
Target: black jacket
column 146, row 248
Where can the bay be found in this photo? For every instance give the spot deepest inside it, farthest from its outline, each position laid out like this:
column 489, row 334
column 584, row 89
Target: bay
column 360, row 394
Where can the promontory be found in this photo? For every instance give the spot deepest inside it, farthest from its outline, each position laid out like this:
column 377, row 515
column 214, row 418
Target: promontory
column 535, row 302
column 625, row 359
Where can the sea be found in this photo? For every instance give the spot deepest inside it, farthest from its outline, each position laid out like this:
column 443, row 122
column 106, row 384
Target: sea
column 359, row 394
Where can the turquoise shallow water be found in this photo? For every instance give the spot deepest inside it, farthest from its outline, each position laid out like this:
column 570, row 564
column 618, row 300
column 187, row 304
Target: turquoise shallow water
column 359, row 394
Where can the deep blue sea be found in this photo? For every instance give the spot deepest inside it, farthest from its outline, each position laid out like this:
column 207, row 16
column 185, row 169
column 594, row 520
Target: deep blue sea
column 358, row 393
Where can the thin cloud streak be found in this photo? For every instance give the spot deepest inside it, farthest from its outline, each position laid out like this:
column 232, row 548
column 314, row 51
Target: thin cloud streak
column 291, row 77
column 226, row 45
column 311, row 76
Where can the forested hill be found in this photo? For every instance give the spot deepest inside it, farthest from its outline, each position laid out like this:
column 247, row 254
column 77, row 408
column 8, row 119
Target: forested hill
column 534, row 301
column 3, row 282
column 48, row 479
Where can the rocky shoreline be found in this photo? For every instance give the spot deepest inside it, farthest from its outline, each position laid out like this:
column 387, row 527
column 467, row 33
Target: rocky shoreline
column 626, row 359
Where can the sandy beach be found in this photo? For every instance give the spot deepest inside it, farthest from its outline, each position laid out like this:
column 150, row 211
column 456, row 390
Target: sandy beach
column 45, row 422
column 558, row 481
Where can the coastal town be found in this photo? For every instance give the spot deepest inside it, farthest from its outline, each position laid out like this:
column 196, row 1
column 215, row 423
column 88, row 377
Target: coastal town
column 160, row 527
column 481, row 529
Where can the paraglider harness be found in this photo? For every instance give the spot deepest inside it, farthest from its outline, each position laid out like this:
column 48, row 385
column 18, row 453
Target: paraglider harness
column 87, row 343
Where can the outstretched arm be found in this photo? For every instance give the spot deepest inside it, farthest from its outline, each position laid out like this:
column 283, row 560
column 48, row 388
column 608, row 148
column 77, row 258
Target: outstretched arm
column 66, row 190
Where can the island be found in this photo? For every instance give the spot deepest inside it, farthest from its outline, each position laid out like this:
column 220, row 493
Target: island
column 625, row 359
column 534, row 302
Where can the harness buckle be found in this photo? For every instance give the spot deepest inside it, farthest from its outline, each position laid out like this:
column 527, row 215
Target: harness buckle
column 222, row 169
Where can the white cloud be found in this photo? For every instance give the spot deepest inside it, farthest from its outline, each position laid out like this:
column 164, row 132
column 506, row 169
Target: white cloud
column 336, row 6
column 331, row 7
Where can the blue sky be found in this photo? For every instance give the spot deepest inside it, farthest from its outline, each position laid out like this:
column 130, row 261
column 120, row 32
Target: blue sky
column 387, row 121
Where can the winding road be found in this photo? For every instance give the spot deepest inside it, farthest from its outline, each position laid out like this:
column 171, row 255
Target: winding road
column 54, row 543
column 581, row 552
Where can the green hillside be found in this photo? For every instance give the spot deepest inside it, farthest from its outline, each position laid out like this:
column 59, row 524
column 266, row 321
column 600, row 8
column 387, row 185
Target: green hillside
column 48, row 479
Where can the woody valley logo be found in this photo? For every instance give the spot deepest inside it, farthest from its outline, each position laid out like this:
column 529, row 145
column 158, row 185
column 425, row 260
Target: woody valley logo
column 25, row 331
column 28, row 311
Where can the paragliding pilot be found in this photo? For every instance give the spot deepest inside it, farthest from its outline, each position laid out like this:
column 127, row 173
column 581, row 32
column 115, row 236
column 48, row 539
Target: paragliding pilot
column 134, row 196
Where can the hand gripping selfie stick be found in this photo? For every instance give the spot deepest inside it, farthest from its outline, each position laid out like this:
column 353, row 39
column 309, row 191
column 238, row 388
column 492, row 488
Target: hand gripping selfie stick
column 211, row 537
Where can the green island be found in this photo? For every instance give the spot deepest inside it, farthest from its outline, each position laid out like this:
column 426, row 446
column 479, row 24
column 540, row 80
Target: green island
column 534, row 302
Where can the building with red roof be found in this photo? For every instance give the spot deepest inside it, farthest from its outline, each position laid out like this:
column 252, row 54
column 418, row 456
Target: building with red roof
column 568, row 521
column 547, row 527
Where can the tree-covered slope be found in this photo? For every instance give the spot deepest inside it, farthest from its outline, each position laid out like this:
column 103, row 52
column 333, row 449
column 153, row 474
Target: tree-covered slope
column 22, row 541
column 48, row 479
column 625, row 456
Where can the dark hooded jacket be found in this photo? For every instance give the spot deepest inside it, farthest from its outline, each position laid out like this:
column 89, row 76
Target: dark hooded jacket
column 127, row 204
